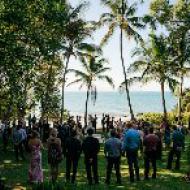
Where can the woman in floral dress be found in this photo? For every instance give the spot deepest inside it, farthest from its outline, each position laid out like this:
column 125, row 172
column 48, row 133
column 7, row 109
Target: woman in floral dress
column 35, row 168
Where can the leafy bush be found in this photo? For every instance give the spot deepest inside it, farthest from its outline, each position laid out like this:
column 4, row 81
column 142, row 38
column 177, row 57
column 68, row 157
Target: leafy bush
column 156, row 118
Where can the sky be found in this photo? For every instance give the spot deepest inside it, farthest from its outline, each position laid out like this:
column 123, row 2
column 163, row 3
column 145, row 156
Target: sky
column 111, row 50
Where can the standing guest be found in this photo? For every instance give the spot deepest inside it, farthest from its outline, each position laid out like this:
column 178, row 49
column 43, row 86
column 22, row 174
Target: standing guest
column 17, row 141
column 24, row 136
column 95, row 123
column 91, row 156
column 111, row 126
column 182, row 128
column 5, row 128
column 112, row 152
column 131, row 145
column 45, row 130
column 103, row 123
column 159, row 146
column 120, row 124
column 77, row 119
column 112, row 122
column 167, row 135
column 73, row 151
column 35, row 127
column 150, row 143
column 90, row 120
column 178, row 144
column 107, row 123
column 35, row 168
column 119, row 133
column 40, row 125
column 29, row 120
column 33, row 119
column 163, row 124
column 62, row 135
column 54, row 154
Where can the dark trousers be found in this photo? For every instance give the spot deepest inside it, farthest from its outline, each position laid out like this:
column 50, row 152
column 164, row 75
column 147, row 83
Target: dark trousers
column 103, row 128
column 54, row 172
column 150, row 157
column 92, row 166
column 132, row 157
column 174, row 151
column 19, row 150
column 111, row 161
column 71, row 162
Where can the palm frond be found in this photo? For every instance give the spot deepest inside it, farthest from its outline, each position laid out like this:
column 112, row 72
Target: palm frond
column 147, row 19
column 102, row 70
column 106, row 18
column 130, row 11
column 108, row 79
column 172, row 83
column 90, row 48
column 75, row 82
column 131, row 33
column 145, row 79
column 136, row 22
column 84, row 63
column 131, row 81
column 77, row 10
column 109, row 33
column 81, row 74
column 137, row 66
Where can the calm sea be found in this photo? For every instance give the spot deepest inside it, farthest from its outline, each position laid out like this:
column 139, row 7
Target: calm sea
column 115, row 103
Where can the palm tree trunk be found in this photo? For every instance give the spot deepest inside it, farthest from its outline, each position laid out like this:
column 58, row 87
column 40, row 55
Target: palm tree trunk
column 63, row 88
column 86, row 107
column 180, row 99
column 125, row 75
column 163, row 100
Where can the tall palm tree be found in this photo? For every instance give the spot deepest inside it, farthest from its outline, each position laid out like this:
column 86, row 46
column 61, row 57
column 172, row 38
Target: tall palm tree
column 122, row 16
column 153, row 65
column 94, row 69
column 76, row 31
column 179, row 56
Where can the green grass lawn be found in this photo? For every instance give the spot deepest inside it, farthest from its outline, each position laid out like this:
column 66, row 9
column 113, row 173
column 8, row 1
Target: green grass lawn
column 15, row 174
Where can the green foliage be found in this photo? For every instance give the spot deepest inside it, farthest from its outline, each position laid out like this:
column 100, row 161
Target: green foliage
column 34, row 34
column 157, row 118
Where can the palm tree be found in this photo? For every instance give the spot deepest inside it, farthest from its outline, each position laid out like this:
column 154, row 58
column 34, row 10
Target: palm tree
column 94, row 69
column 121, row 15
column 76, row 31
column 153, row 65
column 179, row 56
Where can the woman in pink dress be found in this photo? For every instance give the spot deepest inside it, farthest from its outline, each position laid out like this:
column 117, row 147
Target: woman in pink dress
column 35, row 168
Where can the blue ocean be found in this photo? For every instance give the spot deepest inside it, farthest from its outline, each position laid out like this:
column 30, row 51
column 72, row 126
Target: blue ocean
column 115, row 103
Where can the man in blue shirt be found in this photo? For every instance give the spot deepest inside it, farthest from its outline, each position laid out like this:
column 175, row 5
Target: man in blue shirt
column 112, row 152
column 178, row 145
column 131, row 146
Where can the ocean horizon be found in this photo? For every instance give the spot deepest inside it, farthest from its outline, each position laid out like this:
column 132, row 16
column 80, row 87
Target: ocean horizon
column 115, row 103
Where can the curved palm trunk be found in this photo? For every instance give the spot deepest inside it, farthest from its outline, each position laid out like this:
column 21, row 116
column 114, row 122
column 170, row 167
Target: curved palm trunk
column 125, row 75
column 86, row 107
column 63, row 89
column 180, row 99
column 163, row 100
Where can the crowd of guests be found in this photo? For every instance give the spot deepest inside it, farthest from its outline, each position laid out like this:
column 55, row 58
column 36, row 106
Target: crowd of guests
column 70, row 140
